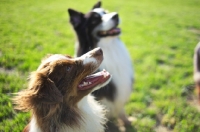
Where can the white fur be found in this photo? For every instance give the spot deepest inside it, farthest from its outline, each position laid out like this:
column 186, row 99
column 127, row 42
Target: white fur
column 34, row 126
column 92, row 112
column 87, row 58
column 107, row 21
column 99, row 11
column 196, row 77
column 118, row 63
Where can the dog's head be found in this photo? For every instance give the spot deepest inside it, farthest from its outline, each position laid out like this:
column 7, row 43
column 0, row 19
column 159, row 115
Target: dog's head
column 62, row 79
column 94, row 25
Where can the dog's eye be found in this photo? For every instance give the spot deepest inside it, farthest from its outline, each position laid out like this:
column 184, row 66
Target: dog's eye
column 96, row 15
column 94, row 21
column 68, row 68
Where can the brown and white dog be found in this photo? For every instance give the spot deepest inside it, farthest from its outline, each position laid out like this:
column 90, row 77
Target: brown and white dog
column 197, row 69
column 99, row 28
column 59, row 94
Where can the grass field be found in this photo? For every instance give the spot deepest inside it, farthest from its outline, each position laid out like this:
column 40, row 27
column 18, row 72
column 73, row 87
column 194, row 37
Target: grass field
column 160, row 36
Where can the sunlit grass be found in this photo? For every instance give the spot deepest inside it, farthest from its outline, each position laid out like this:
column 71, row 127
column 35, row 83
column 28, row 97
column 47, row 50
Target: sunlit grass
column 160, row 36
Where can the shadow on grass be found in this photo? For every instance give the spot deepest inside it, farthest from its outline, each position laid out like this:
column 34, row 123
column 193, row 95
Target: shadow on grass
column 112, row 127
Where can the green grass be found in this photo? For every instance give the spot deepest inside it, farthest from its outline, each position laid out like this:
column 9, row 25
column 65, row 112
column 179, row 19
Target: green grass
column 160, row 36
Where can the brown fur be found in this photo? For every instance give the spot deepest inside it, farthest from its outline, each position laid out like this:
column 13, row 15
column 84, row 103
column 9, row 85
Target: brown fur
column 52, row 94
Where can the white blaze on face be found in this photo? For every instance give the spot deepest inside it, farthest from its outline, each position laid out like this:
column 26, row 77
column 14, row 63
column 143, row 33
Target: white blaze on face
column 88, row 58
column 107, row 21
column 100, row 11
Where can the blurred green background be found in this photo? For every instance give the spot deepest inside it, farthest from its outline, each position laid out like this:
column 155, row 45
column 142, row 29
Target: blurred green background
column 160, row 36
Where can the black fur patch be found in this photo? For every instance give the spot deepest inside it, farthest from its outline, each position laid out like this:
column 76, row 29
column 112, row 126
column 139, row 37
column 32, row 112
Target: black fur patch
column 84, row 25
column 107, row 92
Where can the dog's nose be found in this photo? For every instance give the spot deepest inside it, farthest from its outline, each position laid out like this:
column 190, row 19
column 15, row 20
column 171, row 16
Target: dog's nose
column 116, row 17
column 99, row 51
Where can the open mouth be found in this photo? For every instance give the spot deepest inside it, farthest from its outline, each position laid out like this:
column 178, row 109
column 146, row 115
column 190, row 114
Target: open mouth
column 111, row 32
column 93, row 80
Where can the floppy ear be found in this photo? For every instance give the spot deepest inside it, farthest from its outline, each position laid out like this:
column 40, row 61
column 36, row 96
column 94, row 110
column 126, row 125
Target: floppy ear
column 97, row 5
column 41, row 90
column 47, row 92
column 75, row 17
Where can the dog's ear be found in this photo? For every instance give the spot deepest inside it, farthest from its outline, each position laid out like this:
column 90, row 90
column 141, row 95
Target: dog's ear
column 45, row 90
column 75, row 17
column 97, row 5
column 41, row 90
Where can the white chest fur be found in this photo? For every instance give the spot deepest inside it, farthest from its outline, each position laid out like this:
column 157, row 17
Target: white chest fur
column 117, row 61
column 93, row 115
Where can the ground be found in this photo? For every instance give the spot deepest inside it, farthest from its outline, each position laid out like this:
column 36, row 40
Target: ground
column 160, row 36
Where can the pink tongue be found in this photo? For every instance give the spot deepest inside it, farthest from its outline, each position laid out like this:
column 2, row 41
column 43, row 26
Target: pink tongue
column 115, row 30
column 93, row 80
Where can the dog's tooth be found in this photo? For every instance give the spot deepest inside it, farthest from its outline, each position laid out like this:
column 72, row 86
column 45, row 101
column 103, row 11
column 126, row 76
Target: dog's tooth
column 80, row 85
column 105, row 75
column 85, row 83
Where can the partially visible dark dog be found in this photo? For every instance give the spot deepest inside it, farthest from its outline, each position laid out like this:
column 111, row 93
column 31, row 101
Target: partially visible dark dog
column 59, row 94
column 197, row 69
column 99, row 28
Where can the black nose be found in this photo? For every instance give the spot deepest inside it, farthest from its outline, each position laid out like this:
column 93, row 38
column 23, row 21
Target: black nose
column 116, row 17
column 99, row 51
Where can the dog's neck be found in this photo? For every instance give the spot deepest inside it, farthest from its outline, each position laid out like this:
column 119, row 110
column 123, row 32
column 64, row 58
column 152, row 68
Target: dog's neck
column 87, row 116
column 87, row 42
column 50, row 118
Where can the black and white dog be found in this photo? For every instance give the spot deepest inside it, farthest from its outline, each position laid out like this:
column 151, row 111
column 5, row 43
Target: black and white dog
column 99, row 29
